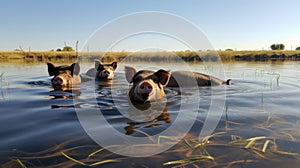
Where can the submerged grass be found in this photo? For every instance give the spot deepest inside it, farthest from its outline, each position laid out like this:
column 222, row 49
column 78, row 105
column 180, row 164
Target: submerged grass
column 22, row 165
column 205, row 152
column 92, row 164
column 221, row 149
column 74, row 160
column 251, row 142
column 190, row 160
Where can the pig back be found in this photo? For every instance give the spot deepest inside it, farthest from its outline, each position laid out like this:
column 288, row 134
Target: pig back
column 188, row 79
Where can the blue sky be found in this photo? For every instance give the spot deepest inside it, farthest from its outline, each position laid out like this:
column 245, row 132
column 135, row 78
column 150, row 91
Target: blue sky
column 236, row 24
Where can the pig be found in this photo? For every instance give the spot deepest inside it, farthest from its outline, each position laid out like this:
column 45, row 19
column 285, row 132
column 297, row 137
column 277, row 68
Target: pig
column 149, row 85
column 64, row 75
column 102, row 71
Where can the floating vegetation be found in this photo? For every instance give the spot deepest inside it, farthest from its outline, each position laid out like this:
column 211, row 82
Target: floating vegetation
column 190, row 160
column 240, row 161
column 165, row 137
column 20, row 163
column 205, row 153
column 102, row 149
column 74, row 160
column 92, row 164
column 251, row 143
column 265, row 145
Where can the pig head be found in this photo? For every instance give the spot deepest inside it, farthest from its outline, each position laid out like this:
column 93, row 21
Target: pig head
column 64, row 75
column 102, row 71
column 147, row 85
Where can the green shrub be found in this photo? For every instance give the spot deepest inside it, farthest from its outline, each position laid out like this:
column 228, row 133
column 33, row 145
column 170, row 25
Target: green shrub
column 277, row 47
column 68, row 48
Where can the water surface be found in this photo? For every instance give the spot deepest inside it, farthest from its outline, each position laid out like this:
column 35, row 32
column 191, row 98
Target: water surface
column 39, row 124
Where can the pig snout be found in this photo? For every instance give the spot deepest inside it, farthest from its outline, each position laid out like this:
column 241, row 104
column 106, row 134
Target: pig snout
column 106, row 73
column 145, row 88
column 58, row 81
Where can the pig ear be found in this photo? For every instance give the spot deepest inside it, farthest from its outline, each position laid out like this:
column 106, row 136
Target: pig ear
column 51, row 69
column 163, row 76
column 114, row 65
column 129, row 73
column 75, row 68
column 97, row 64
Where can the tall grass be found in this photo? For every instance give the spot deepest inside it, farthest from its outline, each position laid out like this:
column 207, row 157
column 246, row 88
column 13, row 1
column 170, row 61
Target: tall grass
column 188, row 56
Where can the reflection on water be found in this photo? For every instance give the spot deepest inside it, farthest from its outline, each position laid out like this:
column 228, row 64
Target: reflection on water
column 134, row 127
column 259, row 127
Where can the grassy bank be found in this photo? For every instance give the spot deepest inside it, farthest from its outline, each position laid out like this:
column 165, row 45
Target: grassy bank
column 36, row 56
column 189, row 56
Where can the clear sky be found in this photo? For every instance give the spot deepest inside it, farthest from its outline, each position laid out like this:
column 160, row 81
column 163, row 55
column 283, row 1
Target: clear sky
column 236, row 24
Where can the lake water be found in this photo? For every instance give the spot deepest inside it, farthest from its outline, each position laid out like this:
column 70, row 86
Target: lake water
column 41, row 127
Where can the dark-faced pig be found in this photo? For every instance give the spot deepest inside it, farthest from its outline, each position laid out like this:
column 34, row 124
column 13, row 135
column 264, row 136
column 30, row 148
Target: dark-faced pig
column 148, row 85
column 102, row 71
column 64, row 75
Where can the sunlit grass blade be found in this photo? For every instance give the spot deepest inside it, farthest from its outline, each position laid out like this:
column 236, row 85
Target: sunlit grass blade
column 21, row 163
column 146, row 134
column 190, row 160
column 100, row 150
column 206, row 139
column 205, row 151
column 265, row 145
column 258, row 152
column 165, row 137
column 240, row 161
column 188, row 144
column 252, row 141
column 74, row 160
column 235, row 138
column 256, row 138
column 103, row 162
column 285, row 153
column 94, row 153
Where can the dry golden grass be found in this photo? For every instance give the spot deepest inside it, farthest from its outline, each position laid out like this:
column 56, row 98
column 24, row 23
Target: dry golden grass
column 188, row 56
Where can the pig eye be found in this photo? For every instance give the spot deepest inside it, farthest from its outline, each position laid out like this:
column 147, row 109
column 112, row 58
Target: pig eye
column 155, row 80
column 100, row 68
column 137, row 79
column 61, row 72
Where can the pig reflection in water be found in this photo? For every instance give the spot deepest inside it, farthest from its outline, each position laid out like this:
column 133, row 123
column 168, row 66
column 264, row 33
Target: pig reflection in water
column 64, row 76
column 134, row 126
column 149, row 86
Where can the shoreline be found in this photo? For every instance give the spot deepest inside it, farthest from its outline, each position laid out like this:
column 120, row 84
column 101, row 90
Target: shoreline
column 188, row 56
